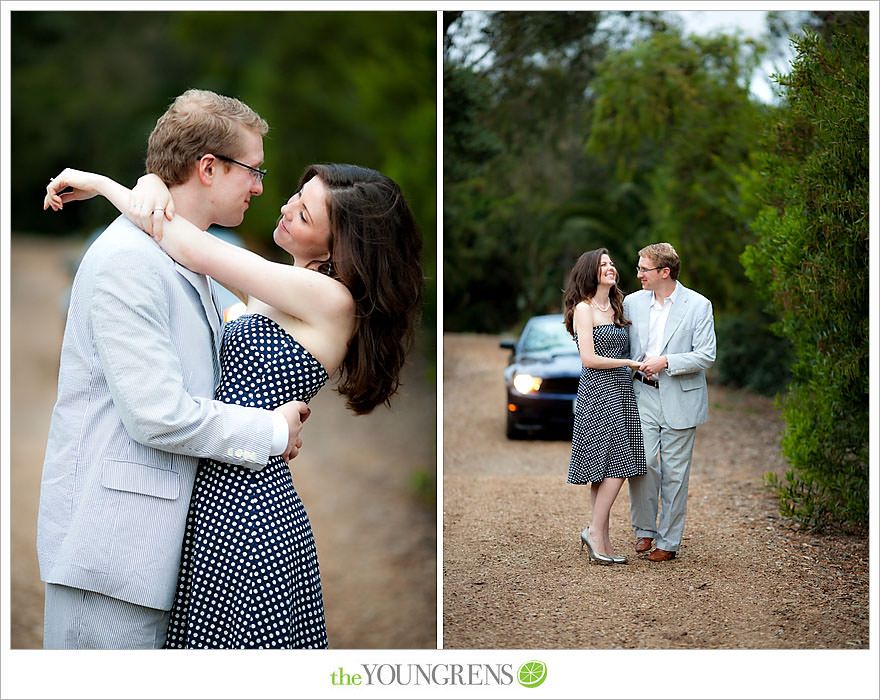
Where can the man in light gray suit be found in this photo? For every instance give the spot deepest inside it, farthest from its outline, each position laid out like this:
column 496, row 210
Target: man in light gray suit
column 134, row 411
column 673, row 336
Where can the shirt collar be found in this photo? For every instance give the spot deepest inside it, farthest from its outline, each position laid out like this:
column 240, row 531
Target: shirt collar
column 672, row 297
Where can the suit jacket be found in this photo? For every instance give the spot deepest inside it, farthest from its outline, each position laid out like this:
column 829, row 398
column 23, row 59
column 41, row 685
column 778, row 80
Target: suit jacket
column 134, row 414
column 689, row 346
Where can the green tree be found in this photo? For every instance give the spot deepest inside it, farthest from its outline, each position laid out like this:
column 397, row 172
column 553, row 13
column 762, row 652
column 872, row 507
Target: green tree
column 678, row 109
column 538, row 86
column 514, row 169
column 86, row 89
column 811, row 259
column 471, row 253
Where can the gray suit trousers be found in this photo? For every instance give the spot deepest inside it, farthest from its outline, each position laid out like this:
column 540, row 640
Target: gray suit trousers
column 668, row 453
column 80, row 619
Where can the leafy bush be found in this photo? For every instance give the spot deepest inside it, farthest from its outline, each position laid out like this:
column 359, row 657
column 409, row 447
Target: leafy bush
column 812, row 260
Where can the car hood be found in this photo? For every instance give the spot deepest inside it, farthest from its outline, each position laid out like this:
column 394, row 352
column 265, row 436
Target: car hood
column 547, row 365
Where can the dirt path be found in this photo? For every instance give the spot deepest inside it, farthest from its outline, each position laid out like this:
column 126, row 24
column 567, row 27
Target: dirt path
column 376, row 538
column 513, row 575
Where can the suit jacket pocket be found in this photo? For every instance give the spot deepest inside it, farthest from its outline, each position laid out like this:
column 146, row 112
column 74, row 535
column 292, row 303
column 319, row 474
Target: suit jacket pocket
column 133, row 477
column 690, row 382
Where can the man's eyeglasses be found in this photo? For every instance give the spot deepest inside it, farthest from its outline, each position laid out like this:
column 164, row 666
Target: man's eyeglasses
column 648, row 269
column 258, row 173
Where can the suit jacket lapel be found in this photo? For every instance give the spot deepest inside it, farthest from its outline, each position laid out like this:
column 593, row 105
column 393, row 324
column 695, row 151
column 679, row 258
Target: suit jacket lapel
column 676, row 314
column 202, row 285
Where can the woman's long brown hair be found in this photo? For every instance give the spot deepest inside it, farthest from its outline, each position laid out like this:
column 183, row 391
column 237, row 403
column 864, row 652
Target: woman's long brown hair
column 582, row 285
column 375, row 251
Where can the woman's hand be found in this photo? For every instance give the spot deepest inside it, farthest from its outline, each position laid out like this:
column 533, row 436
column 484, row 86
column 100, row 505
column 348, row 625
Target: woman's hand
column 150, row 204
column 82, row 184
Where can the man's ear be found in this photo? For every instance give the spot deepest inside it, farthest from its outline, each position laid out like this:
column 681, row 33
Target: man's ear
column 206, row 168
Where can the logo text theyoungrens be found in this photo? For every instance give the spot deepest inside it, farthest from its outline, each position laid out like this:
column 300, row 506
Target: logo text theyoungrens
column 426, row 674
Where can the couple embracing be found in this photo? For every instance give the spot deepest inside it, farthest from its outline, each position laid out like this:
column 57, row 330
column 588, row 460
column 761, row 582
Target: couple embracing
column 642, row 392
column 168, row 514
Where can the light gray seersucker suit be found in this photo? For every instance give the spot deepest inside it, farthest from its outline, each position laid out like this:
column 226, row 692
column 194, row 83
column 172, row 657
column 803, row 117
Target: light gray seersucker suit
column 669, row 414
column 689, row 345
column 133, row 416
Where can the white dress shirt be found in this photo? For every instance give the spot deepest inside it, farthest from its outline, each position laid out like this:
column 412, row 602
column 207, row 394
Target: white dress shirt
column 281, row 434
column 657, row 322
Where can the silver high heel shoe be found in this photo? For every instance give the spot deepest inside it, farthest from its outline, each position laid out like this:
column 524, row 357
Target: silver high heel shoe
column 618, row 560
column 603, row 559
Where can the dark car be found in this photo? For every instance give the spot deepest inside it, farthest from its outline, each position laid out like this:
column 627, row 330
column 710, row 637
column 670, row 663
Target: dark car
column 541, row 378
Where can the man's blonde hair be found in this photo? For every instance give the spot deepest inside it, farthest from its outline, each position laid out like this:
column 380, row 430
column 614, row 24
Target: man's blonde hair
column 196, row 123
column 663, row 255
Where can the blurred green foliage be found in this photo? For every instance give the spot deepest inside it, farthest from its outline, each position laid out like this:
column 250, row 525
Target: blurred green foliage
column 810, row 261
column 568, row 131
column 355, row 87
column 750, row 355
column 582, row 130
column 520, row 199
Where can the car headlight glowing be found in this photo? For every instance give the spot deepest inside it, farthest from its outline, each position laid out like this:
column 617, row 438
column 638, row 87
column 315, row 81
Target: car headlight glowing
column 526, row 383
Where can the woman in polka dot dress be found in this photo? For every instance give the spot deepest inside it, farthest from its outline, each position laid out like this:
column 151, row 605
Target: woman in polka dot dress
column 607, row 445
column 347, row 305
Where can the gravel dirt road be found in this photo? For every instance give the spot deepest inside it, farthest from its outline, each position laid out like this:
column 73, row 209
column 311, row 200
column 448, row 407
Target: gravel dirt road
column 376, row 535
column 514, row 578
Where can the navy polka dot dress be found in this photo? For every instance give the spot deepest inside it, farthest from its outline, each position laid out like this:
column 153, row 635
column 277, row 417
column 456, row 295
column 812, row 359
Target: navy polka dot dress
column 607, row 437
column 249, row 572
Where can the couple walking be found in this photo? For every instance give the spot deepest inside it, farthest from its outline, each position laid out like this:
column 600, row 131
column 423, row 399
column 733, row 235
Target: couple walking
column 168, row 515
column 641, row 395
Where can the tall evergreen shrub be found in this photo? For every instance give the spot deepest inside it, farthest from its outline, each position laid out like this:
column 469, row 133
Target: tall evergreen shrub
column 811, row 258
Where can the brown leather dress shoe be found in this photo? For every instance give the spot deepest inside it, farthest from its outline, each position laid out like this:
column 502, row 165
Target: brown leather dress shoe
column 661, row 555
column 643, row 544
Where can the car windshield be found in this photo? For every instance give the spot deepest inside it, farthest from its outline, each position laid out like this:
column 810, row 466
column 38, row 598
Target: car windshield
column 547, row 335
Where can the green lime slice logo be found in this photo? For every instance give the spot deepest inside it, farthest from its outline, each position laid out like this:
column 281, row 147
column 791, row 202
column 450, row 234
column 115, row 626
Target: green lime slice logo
column 532, row 673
